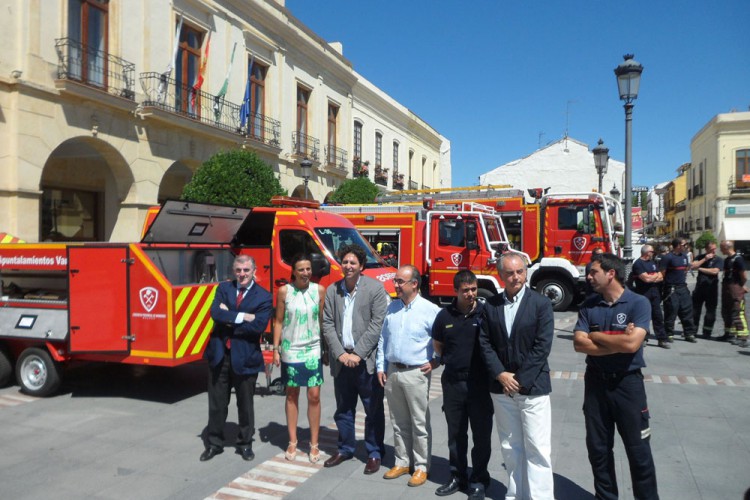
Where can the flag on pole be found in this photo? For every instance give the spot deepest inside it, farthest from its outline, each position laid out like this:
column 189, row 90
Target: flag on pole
column 202, row 71
column 162, row 90
column 219, row 98
column 245, row 108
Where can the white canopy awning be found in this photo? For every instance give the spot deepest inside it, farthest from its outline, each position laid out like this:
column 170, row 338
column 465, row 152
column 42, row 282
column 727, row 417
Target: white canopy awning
column 735, row 229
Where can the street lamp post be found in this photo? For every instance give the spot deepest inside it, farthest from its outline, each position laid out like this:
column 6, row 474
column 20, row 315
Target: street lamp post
column 601, row 158
column 306, row 165
column 628, row 80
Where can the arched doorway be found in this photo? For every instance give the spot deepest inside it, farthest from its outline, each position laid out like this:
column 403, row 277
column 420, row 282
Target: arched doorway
column 174, row 181
column 301, row 192
column 82, row 184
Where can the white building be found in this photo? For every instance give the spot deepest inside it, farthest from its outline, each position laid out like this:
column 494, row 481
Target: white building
column 564, row 166
column 100, row 116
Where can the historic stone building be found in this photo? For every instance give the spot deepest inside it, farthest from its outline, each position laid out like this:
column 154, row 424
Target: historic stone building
column 109, row 106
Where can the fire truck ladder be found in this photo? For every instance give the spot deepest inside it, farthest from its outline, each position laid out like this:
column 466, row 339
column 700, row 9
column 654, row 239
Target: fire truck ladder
column 472, row 192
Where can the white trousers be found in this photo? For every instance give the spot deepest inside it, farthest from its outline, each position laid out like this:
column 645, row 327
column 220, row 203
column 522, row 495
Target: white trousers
column 408, row 394
column 524, row 424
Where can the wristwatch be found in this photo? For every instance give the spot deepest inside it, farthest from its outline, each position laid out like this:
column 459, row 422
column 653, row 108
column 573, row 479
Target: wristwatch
column 438, row 358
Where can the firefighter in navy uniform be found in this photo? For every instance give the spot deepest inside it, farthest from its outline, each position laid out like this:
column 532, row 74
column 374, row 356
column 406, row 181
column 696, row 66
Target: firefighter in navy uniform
column 733, row 296
column 674, row 267
column 648, row 280
column 706, row 291
column 610, row 330
column 466, row 396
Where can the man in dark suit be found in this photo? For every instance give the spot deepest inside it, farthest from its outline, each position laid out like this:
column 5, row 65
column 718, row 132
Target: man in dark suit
column 515, row 340
column 352, row 318
column 241, row 310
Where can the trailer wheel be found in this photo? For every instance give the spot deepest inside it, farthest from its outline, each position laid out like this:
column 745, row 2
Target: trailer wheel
column 6, row 368
column 557, row 291
column 37, row 374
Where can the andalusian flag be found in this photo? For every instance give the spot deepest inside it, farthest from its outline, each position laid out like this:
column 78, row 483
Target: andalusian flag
column 219, row 98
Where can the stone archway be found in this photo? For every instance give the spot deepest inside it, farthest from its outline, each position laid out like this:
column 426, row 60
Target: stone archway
column 301, row 192
column 83, row 183
column 174, row 181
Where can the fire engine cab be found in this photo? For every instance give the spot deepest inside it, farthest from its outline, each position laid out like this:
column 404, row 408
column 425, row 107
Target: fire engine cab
column 558, row 232
column 439, row 240
column 148, row 302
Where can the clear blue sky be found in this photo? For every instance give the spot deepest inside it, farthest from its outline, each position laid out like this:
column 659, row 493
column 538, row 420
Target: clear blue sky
column 492, row 75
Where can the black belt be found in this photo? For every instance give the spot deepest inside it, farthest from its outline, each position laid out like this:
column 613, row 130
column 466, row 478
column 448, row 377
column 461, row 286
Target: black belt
column 402, row 366
column 611, row 375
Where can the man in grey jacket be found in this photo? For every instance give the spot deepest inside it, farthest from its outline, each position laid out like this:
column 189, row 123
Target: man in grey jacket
column 352, row 318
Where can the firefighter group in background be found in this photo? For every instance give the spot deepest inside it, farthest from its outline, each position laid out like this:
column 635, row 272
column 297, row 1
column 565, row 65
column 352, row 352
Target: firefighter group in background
column 495, row 356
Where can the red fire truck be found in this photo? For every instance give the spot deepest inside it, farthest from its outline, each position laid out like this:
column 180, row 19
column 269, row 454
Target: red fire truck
column 148, row 303
column 558, row 232
column 439, row 240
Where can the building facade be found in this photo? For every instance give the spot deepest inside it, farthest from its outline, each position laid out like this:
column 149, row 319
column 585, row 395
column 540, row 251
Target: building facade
column 108, row 107
column 718, row 180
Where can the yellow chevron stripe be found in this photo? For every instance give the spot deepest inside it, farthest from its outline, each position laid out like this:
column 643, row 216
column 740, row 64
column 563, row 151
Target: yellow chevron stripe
column 197, row 320
column 180, row 300
column 203, row 337
column 187, row 314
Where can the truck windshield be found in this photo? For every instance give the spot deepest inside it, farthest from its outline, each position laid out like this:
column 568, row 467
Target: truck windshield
column 334, row 237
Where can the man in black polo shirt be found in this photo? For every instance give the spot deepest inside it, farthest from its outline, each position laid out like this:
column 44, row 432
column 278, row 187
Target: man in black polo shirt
column 706, row 289
column 648, row 279
column 677, row 302
column 610, row 330
column 466, row 396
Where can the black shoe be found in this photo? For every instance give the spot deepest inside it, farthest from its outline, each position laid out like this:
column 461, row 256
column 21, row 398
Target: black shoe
column 210, row 453
column 476, row 493
column 450, row 487
column 336, row 460
column 247, row 453
column 726, row 338
column 691, row 339
column 664, row 344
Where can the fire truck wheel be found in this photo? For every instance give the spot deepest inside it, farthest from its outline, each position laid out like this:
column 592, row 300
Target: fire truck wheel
column 557, row 291
column 6, row 368
column 37, row 374
column 484, row 293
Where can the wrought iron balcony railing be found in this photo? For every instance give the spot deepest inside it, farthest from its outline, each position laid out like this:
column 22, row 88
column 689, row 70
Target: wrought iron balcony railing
column 738, row 187
column 398, row 181
column 336, row 158
column 165, row 93
column 305, row 146
column 413, row 185
column 94, row 68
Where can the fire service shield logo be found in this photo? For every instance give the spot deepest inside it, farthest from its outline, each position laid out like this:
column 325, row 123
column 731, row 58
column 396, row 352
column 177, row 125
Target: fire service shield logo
column 621, row 318
column 579, row 242
column 456, row 258
column 149, row 296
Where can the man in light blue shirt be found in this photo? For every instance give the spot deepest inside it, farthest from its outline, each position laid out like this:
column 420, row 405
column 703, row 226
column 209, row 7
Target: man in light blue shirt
column 404, row 363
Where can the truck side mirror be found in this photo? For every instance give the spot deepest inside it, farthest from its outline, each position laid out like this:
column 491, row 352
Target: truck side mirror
column 320, row 265
column 471, row 235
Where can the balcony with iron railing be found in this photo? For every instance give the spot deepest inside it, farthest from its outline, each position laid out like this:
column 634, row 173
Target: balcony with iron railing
column 413, row 185
column 305, row 146
column 738, row 187
column 381, row 175
column 335, row 159
column 94, row 68
column 163, row 92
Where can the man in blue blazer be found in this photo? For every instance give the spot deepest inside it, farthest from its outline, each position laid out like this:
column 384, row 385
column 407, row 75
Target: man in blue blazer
column 241, row 310
column 515, row 341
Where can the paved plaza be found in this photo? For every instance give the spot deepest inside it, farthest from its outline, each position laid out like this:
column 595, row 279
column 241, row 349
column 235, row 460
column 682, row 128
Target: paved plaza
column 120, row 432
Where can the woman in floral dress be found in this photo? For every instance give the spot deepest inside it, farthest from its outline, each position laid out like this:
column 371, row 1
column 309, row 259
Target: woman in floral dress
column 297, row 345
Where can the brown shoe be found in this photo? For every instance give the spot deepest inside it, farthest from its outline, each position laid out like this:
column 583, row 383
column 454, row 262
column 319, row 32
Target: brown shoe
column 418, row 478
column 373, row 465
column 336, row 460
column 395, row 472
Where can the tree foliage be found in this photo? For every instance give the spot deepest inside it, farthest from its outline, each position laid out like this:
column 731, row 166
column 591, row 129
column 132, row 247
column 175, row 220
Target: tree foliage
column 360, row 190
column 704, row 239
column 236, row 178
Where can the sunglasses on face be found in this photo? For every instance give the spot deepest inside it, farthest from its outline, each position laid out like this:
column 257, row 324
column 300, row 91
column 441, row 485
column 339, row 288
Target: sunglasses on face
column 400, row 282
